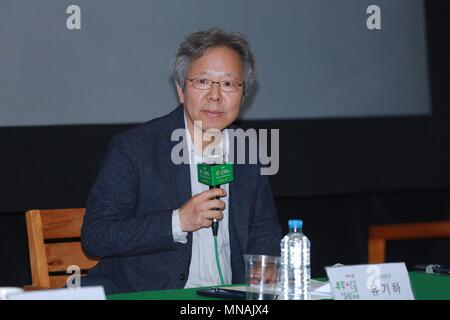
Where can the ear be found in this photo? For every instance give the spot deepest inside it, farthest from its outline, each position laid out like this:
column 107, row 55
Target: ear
column 180, row 93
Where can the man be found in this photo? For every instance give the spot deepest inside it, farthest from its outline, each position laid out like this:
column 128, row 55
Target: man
column 149, row 219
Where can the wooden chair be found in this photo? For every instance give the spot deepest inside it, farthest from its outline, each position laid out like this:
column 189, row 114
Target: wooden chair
column 54, row 243
column 378, row 235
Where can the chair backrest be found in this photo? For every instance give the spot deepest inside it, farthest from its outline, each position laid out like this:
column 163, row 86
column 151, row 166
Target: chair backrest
column 378, row 235
column 54, row 243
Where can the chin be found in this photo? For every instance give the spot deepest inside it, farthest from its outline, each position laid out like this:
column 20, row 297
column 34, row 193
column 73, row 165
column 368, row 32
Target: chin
column 211, row 124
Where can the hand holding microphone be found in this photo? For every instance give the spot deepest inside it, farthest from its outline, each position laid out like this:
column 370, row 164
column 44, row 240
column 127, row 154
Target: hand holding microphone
column 214, row 175
column 206, row 208
column 200, row 210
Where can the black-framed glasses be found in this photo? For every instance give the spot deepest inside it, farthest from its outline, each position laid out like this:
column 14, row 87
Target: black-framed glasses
column 225, row 85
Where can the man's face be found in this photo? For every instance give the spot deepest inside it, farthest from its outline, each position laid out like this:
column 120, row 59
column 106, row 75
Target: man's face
column 214, row 107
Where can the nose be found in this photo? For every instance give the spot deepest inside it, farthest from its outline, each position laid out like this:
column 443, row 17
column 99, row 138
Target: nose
column 214, row 94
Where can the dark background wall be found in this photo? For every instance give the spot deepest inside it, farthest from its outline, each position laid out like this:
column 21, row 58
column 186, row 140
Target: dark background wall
column 339, row 175
column 318, row 58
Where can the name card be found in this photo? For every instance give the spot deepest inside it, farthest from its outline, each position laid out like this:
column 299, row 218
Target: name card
column 387, row 281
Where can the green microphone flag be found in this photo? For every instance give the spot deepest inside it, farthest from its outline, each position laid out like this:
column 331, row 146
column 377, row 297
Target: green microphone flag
column 216, row 174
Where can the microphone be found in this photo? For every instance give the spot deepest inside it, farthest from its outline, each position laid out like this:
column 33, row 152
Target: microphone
column 214, row 175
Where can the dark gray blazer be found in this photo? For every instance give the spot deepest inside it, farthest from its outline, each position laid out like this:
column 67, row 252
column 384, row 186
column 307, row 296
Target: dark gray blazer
column 128, row 222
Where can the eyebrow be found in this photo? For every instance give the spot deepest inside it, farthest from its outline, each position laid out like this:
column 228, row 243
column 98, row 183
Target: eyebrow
column 227, row 74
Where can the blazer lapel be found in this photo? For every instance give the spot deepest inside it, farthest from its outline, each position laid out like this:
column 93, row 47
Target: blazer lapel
column 179, row 176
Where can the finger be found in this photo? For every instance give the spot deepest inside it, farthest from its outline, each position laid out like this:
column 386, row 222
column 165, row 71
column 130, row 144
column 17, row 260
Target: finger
column 212, row 193
column 213, row 214
column 216, row 204
column 210, row 205
column 217, row 192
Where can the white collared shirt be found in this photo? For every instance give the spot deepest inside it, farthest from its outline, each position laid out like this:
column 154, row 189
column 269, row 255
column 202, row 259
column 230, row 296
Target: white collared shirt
column 203, row 269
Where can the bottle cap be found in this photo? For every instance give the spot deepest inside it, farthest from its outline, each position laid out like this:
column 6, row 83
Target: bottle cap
column 295, row 224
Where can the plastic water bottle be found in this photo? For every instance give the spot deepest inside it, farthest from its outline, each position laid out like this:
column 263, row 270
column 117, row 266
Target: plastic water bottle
column 295, row 278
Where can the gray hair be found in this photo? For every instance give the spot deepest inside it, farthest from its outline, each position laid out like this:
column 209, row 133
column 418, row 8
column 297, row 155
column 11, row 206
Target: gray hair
column 198, row 43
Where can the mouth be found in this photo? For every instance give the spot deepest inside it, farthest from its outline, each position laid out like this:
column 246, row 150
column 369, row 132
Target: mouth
column 213, row 114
